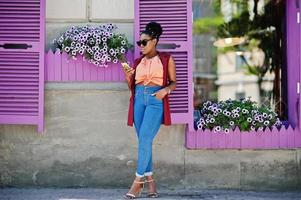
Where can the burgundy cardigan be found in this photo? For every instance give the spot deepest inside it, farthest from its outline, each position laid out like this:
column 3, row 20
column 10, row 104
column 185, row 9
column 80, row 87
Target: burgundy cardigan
column 164, row 57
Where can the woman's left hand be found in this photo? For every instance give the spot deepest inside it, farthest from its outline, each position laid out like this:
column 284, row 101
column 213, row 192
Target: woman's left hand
column 161, row 94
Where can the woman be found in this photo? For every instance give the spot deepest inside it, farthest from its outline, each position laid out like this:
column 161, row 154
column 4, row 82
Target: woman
column 150, row 81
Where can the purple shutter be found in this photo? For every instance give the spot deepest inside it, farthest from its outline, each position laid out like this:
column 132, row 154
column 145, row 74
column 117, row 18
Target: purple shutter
column 22, row 24
column 175, row 16
column 293, row 61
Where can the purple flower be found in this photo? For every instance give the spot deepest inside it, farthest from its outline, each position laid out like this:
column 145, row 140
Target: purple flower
column 217, row 128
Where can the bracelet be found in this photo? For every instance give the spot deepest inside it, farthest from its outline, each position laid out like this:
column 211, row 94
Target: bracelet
column 168, row 90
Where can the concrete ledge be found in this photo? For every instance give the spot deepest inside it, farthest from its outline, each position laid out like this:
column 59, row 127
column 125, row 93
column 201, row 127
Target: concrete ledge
column 86, row 86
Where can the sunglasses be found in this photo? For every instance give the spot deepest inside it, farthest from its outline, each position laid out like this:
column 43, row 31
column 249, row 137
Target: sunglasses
column 143, row 42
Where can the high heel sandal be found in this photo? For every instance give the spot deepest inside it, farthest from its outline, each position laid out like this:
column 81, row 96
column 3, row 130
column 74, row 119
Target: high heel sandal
column 133, row 196
column 152, row 194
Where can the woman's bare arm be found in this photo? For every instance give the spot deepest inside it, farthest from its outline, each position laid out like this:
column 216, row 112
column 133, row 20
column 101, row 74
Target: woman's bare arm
column 172, row 80
column 172, row 75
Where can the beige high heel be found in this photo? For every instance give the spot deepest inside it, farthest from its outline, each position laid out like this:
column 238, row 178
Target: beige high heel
column 133, row 196
column 152, row 194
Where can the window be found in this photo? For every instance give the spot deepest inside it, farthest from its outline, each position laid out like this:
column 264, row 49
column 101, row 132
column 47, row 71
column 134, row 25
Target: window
column 238, row 52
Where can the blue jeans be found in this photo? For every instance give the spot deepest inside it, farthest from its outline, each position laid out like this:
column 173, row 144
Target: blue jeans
column 148, row 116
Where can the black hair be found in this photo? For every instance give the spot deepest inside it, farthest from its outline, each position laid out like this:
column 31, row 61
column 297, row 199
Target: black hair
column 153, row 29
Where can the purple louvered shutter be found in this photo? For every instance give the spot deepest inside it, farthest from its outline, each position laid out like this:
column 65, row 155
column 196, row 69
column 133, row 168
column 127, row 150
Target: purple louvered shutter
column 175, row 16
column 293, row 60
column 22, row 24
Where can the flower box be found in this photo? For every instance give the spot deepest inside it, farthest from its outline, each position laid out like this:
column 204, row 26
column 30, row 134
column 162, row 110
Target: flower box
column 60, row 67
column 284, row 138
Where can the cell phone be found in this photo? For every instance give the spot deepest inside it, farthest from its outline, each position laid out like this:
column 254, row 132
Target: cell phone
column 126, row 66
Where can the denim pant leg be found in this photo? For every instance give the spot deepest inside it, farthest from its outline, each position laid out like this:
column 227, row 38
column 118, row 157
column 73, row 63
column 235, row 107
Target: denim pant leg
column 139, row 109
column 151, row 123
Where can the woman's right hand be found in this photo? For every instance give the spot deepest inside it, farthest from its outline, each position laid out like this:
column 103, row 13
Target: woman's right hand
column 128, row 71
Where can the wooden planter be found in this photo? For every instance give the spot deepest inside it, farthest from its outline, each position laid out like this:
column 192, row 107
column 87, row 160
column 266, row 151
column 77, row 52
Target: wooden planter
column 285, row 138
column 59, row 67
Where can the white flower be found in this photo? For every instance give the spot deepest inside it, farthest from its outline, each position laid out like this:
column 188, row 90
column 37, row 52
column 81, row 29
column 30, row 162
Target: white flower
column 111, row 51
column 227, row 130
column 200, row 126
column 270, row 116
column 67, row 49
column 266, row 122
column 245, row 111
column 231, row 123
column 115, row 61
column 249, row 119
column 123, row 42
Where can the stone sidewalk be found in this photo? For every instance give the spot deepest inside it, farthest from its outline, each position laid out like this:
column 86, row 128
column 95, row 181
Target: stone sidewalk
column 115, row 194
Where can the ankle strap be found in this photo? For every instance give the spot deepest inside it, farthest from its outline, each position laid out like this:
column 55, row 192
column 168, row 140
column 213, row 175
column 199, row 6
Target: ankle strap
column 141, row 182
column 151, row 180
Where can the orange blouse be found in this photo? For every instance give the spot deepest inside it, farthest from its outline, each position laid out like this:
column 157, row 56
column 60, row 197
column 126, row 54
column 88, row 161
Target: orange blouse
column 149, row 70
